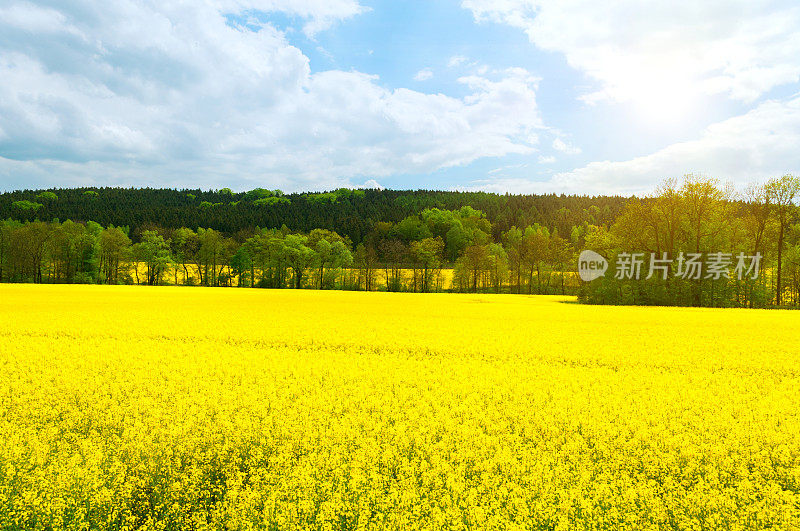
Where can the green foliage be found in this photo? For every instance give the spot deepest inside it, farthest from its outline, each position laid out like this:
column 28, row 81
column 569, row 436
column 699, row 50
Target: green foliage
column 298, row 256
column 270, row 201
column 347, row 193
column 47, row 196
column 322, row 198
column 26, row 205
column 261, row 193
column 333, row 197
column 412, row 228
column 154, row 251
column 241, row 264
column 457, row 228
column 426, row 258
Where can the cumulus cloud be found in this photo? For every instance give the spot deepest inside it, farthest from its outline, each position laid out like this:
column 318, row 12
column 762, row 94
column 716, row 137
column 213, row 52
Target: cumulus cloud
column 179, row 94
column 748, row 148
column 742, row 48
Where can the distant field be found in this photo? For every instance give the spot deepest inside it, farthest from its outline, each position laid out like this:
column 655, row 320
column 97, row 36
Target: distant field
column 178, row 408
column 177, row 276
column 177, row 273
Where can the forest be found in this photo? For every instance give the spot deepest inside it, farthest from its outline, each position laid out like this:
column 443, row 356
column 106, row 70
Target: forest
column 418, row 241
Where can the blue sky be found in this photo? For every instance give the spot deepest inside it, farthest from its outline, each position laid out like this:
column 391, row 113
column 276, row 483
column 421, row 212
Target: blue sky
column 509, row 96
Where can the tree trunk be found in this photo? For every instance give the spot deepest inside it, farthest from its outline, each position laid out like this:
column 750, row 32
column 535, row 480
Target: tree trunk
column 780, row 264
column 530, row 281
column 538, row 279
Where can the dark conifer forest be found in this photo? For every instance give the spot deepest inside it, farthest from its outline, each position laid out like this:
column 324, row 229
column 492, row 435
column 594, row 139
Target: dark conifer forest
column 351, row 213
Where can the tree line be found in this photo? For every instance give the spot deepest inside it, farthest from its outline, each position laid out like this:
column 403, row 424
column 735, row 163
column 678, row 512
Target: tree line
column 523, row 244
column 700, row 217
column 434, row 250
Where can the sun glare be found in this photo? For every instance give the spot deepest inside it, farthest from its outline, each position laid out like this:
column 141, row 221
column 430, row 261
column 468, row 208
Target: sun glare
column 664, row 103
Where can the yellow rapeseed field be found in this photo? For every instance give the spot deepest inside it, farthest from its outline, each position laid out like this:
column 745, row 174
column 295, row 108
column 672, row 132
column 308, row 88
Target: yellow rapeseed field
column 200, row 408
column 176, row 275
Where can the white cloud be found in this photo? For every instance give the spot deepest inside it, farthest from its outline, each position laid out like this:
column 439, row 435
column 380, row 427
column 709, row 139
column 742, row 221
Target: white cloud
column 318, row 14
column 663, row 47
column 748, row 148
column 456, row 60
column 372, row 184
column 174, row 94
column 502, row 169
column 566, row 148
column 546, row 159
column 423, row 75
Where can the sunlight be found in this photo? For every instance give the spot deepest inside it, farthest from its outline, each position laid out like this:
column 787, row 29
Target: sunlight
column 664, row 103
